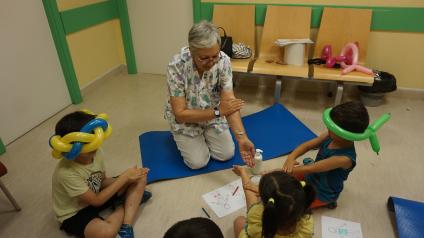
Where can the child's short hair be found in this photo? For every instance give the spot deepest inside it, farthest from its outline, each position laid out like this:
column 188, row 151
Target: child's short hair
column 285, row 201
column 351, row 116
column 197, row 227
column 73, row 122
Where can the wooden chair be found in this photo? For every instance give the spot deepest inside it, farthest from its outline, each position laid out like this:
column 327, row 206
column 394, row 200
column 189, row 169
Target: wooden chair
column 282, row 22
column 3, row 171
column 340, row 26
column 239, row 23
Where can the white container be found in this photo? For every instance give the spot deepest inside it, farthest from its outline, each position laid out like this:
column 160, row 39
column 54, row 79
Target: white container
column 294, row 54
column 294, row 50
column 258, row 162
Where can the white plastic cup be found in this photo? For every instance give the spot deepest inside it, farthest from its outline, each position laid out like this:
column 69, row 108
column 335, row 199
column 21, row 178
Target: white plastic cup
column 294, row 54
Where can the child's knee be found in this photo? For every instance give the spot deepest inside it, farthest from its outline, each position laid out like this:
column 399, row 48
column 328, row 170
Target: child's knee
column 109, row 232
column 239, row 221
column 104, row 231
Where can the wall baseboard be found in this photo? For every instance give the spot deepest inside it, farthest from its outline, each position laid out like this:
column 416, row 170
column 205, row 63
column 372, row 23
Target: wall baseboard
column 411, row 93
column 110, row 73
column 418, row 90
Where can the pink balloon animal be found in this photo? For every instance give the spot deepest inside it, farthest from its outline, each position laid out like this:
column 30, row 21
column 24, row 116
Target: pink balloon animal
column 348, row 59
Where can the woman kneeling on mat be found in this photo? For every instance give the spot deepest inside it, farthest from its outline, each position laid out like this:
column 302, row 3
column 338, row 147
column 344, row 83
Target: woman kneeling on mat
column 201, row 100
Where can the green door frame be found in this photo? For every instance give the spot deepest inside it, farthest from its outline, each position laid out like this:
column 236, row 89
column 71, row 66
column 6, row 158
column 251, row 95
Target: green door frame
column 73, row 20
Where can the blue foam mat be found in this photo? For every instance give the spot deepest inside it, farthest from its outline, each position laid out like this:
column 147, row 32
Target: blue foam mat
column 409, row 217
column 274, row 130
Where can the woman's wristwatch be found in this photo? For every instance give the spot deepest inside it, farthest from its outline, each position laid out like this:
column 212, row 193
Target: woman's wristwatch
column 216, row 112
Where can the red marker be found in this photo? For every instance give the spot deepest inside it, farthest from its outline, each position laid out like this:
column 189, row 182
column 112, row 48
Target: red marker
column 235, row 190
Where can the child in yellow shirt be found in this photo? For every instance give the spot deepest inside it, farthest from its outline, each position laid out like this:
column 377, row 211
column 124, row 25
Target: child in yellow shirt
column 282, row 210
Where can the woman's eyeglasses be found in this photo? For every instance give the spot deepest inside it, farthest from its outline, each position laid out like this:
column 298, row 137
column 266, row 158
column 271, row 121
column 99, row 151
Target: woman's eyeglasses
column 205, row 59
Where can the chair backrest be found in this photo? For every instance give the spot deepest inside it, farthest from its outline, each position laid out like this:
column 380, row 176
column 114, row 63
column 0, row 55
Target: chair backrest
column 340, row 26
column 282, row 22
column 3, row 171
column 238, row 21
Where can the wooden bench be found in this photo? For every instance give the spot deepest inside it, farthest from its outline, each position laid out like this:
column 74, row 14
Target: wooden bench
column 282, row 22
column 340, row 26
column 239, row 23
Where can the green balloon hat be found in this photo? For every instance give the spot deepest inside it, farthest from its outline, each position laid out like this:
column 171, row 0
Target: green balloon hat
column 369, row 133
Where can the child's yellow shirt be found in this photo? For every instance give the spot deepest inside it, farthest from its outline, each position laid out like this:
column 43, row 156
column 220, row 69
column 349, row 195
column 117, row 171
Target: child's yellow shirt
column 253, row 228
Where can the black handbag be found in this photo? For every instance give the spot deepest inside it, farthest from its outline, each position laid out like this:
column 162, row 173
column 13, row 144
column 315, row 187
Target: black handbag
column 226, row 43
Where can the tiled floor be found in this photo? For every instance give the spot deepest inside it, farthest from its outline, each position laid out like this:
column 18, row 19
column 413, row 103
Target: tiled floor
column 135, row 105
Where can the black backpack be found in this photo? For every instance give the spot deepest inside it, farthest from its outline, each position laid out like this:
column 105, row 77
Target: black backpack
column 384, row 82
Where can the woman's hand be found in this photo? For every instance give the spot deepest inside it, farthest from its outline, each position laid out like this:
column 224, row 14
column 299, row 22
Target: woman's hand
column 247, row 151
column 229, row 106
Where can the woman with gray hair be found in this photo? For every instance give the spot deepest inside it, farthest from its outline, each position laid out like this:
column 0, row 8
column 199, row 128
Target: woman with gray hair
column 201, row 101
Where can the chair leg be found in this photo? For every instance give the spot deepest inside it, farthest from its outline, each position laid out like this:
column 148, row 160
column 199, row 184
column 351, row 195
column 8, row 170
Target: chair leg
column 277, row 92
column 9, row 196
column 339, row 94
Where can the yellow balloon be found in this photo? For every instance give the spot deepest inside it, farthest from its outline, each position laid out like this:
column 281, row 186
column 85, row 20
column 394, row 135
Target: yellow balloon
column 78, row 136
column 56, row 154
column 58, row 145
column 96, row 143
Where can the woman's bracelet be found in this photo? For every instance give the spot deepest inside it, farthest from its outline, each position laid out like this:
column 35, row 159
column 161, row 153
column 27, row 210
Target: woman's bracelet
column 240, row 133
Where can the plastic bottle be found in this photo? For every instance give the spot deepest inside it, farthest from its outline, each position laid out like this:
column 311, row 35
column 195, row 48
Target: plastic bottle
column 258, row 162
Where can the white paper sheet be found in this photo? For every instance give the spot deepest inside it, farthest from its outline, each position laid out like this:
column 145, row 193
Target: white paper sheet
column 224, row 201
column 338, row 228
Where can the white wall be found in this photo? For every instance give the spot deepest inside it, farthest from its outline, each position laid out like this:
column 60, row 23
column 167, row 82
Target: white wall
column 159, row 29
column 32, row 86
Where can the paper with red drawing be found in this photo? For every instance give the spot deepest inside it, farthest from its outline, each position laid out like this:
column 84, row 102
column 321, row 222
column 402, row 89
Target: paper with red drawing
column 227, row 199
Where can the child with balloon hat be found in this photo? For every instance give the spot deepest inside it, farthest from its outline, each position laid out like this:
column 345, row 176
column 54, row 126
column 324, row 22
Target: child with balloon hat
column 336, row 158
column 81, row 189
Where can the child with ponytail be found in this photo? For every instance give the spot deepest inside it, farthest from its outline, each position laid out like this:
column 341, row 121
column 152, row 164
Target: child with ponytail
column 281, row 211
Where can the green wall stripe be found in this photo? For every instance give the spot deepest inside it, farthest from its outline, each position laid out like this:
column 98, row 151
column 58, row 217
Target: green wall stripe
column 83, row 17
column 2, row 147
column 196, row 11
column 206, row 10
column 406, row 19
column 126, row 36
column 62, row 48
column 398, row 19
